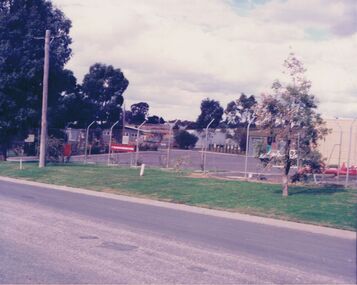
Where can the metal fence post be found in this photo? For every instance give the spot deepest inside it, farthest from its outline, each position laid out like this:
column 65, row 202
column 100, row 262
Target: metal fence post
column 250, row 121
column 110, row 140
column 298, row 153
column 169, row 144
column 339, row 151
column 205, row 149
column 349, row 153
column 137, row 144
column 86, row 144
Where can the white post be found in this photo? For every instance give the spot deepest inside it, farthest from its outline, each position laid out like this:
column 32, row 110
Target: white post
column 169, row 144
column 142, row 169
column 137, row 144
column 86, row 144
column 349, row 153
column 205, row 150
column 110, row 140
column 202, row 151
column 22, row 154
column 250, row 121
column 46, row 66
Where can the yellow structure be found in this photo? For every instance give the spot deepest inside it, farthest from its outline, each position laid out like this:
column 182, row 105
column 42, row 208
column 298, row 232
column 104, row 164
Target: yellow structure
column 330, row 146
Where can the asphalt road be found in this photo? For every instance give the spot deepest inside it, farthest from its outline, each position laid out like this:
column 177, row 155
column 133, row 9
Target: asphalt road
column 52, row 236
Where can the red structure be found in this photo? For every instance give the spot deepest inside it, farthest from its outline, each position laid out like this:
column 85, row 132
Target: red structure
column 67, row 150
column 123, row 147
column 343, row 170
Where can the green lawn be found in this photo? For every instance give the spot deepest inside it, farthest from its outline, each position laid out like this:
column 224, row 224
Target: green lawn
column 335, row 207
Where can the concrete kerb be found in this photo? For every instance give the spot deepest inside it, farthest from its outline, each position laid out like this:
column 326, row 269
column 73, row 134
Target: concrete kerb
column 345, row 234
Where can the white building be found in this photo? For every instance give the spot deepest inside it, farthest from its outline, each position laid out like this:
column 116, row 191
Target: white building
column 340, row 131
column 217, row 137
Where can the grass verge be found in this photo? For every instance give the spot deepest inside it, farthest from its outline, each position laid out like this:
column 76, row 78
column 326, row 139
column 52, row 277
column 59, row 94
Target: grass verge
column 334, row 207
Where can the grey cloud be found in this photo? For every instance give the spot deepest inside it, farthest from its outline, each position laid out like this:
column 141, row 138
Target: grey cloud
column 348, row 23
column 313, row 13
column 194, row 82
column 173, row 70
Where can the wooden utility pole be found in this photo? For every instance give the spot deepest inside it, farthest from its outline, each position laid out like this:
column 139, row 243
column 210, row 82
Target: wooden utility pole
column 43, row 140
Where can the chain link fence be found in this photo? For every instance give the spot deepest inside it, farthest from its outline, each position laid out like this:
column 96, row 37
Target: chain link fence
column 155, row 147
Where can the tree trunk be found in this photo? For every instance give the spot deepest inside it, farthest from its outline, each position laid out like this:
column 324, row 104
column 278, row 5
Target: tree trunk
column 3, row 153
column 285, row 185
column 287, row 166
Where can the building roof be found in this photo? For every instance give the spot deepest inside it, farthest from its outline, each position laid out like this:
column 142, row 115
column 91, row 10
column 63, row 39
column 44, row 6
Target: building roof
column 150, row 128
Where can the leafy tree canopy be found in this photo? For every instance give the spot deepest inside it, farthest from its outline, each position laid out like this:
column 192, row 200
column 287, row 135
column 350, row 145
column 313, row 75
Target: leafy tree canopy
column 103, row 87
column 138, row 113
column 155, row 120
column 73, row 110
column 185, row 140
column 210, row 109
column 290, row 113
column 22, row 27
column 239, row 111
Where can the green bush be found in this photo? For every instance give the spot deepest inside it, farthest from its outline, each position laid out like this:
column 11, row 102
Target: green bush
column 185, row 140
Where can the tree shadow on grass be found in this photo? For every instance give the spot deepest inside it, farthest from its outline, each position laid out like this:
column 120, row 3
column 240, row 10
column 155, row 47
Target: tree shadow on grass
column 325, row 190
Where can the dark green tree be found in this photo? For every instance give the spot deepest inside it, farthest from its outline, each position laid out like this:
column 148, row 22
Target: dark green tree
column 238, row 111
column 237, row 114
column 139, row 113
column 103, row 88
column 155, row 120
column 210, row 109
column 185, row 140
column 22, row 27
column 73, row 109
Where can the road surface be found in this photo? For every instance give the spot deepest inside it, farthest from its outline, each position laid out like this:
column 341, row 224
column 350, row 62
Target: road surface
column 52, row 236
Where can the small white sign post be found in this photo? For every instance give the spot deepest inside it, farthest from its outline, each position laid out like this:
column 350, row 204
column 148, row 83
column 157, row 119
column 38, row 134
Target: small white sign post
column 142, row 169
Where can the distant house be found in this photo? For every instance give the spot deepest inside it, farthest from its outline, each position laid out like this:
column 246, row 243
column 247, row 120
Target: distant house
column 215, row 137
column 75, row 135
column 149, row 133
column 259, row 140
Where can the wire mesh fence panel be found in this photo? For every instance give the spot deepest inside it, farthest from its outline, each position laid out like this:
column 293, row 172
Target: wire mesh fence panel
column 155, row 146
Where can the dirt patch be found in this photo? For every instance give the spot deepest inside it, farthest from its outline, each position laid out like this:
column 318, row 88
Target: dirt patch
column 197, row 175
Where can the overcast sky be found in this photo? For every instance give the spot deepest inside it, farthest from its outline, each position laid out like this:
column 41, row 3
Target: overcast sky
column 177, row 52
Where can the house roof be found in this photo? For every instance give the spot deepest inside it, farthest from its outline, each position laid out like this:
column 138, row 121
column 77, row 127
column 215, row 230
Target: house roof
column 150, row 128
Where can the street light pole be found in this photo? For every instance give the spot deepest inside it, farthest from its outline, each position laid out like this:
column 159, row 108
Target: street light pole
column 43, row 139
column 298, row 153
column 250, row 121
column 349, row 153
column 86, row 144
column 110, row 140
column 339, row 151
column 169, row 144
column 137, row 144
column 205, row 151
column 123, row 127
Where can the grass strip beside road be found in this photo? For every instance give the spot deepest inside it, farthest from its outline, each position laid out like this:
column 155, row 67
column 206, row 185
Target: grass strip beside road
column 334, row 207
